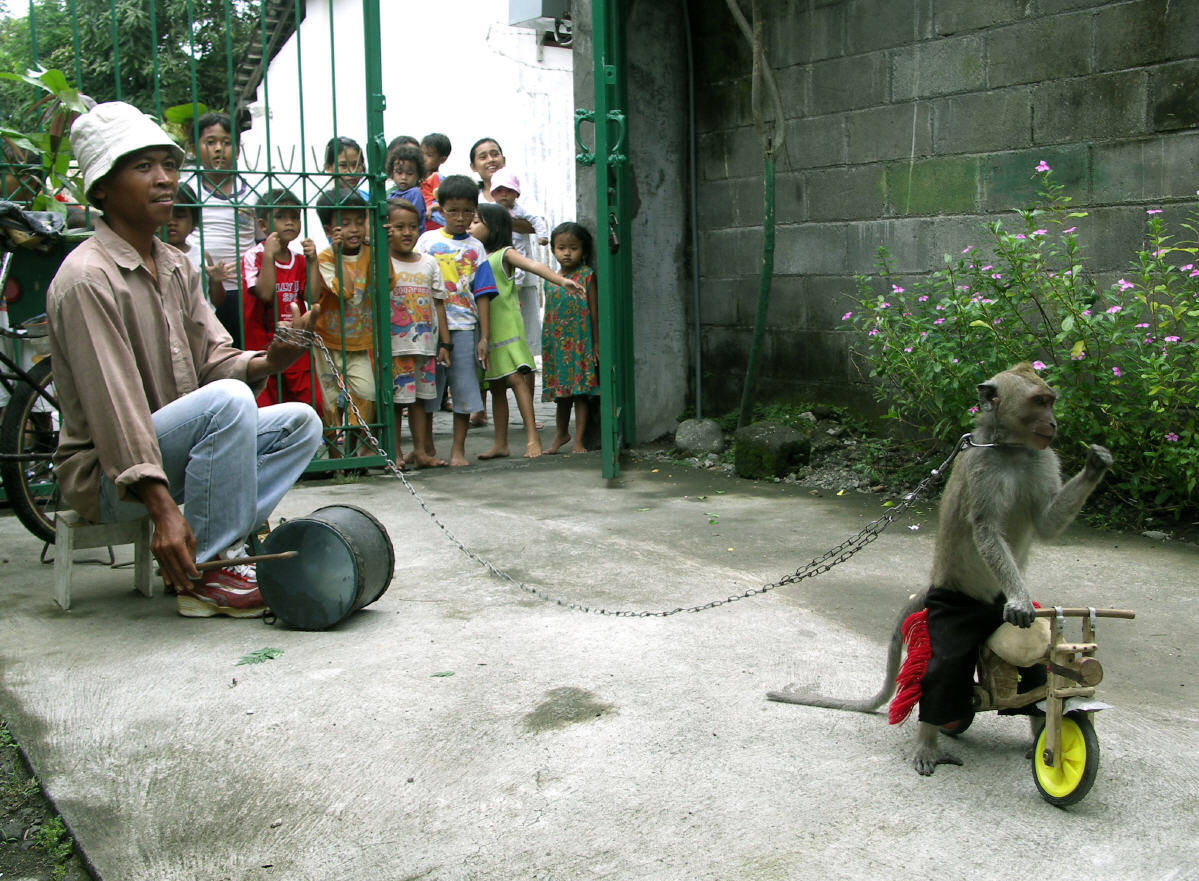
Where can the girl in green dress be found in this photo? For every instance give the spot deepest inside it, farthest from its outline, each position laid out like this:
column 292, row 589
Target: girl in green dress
column 508, row 353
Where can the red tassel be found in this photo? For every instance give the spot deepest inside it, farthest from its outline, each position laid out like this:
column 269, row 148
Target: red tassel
column 907, row 692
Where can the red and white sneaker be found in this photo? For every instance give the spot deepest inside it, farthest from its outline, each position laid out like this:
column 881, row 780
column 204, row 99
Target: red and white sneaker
column 231, row 591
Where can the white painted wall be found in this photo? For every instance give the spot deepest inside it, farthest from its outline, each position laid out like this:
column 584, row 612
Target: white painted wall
column 452, row 67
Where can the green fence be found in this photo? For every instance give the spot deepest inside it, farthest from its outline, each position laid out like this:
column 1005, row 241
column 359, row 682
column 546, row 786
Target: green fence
column 179, row 60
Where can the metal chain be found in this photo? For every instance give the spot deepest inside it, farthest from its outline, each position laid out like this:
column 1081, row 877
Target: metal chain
column 818, row 565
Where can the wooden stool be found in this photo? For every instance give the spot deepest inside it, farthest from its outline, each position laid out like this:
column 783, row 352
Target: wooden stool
column 72, row 533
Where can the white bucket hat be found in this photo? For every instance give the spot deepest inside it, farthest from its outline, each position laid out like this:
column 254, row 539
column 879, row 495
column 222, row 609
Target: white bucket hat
column 100, row 137
column 505, row 178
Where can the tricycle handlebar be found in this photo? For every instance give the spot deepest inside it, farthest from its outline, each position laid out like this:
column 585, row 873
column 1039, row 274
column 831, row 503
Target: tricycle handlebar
column 1086, row 613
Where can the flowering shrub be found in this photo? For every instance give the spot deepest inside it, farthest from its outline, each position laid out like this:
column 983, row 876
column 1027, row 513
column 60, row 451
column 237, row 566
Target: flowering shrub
column 1124, row 356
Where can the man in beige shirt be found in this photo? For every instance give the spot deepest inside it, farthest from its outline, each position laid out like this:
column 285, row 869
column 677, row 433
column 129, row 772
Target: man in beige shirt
column 156, row 402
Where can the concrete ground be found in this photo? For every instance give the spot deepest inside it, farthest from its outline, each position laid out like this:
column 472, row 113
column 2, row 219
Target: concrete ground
column 462, row 728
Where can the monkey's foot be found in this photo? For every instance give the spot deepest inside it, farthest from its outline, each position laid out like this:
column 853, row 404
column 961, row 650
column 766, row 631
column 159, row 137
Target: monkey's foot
column 927, row 758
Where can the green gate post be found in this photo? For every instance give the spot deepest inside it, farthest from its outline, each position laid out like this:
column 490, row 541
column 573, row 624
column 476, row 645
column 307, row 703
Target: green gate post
column 613, row 249
column 376, row 156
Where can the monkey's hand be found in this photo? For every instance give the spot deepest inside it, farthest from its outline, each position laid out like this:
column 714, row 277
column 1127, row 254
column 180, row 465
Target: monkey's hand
column 1019, row 611
column 1099, row 459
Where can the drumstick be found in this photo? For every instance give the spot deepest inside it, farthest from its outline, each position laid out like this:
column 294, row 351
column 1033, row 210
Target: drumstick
column 239, row 561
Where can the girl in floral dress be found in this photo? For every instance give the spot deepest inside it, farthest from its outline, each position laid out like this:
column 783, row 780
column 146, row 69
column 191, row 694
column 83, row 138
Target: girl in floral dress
column 508, row 356
column 570, row 336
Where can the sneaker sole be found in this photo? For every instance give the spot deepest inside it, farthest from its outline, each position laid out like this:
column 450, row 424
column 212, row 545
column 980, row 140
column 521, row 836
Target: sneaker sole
column 193, row 607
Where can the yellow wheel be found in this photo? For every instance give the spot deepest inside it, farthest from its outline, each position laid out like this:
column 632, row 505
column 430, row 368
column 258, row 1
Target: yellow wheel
column 1072, row 777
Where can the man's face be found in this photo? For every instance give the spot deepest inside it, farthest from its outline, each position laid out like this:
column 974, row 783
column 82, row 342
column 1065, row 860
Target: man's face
column 505, row 196
column 140, row 191
column 458, row 215
column 215, row 147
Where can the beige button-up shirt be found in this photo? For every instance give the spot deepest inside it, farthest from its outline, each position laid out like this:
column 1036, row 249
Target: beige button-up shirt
column 125, row 344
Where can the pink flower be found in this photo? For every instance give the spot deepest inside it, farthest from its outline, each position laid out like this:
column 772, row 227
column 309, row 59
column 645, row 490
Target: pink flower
column 908, row 349
column 1038, row 365
column 923, row 298
column 1142, row 324
column 996, row 275
column 1019, row 235
column 1079, row 356
column 997, row 321
column 873, row 332
column 1186, row 267
column 1112, row 310
column 1085, row 312
column 896, row 289
column 1123, row 285
column 884, row 305
column 1039, row 232
column 986, row 268
column 973, row 410
column 1171, row 339
column 1043, row 166
column 1194, row 273
column 939, row 307
column 967, row 249
column 1116, row 372
column 1070, row 230
column 1153, row 211
column 939, row 321
column 847, row 316
column 1171, row 437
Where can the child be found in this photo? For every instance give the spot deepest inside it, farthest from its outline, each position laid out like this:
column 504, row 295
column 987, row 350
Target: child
column 435, row 150
column 570, row 336
column 345, row 325
column 185, row 217
column 469, row 287
column 343, row 159
column 505, row 190
column 420, row 337
column 405, row 167
column 227, row 227
column 273, row 277
column 509, row 358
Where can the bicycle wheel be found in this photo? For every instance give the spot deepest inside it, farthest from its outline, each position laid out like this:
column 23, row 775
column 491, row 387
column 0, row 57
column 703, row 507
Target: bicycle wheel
column 30, row 431
column 1074, row 773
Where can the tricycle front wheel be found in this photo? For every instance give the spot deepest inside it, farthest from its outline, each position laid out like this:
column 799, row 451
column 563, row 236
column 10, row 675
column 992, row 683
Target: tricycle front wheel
column 1072, row 776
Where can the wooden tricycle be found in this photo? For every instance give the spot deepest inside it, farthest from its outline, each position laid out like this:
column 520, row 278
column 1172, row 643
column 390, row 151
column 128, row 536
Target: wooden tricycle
column 1065, row 757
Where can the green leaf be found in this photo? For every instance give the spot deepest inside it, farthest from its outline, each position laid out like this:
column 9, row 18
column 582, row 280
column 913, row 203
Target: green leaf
column 259, row 656
column 184, row 113
column 1067, row 324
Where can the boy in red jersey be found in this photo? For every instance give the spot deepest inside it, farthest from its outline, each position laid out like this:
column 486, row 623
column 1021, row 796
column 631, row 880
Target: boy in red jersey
column 273, row 276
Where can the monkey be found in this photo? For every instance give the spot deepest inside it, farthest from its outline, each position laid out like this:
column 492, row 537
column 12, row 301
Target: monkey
column 1004, row 488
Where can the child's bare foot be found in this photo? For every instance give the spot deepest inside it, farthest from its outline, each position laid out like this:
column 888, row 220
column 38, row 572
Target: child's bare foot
column 494, row 453
column 458, row 460
column 533, row 449
column 478, row 419
column 408, row 458
column 557, row 442
column 577, row 447
column 423, row 461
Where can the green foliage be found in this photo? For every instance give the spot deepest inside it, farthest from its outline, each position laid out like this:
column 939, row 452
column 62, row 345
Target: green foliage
column 176, row 40
column 52, row 838
column 259, row 656
column 1122, row 354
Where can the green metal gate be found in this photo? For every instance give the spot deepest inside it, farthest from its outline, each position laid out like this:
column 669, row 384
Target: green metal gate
column 613, row 242
column 111, row 50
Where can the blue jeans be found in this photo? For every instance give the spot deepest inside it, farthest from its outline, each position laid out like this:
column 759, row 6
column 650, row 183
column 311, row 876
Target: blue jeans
column 227, row 462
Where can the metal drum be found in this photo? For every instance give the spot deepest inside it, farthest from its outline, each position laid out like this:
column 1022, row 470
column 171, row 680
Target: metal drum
column 344, row 562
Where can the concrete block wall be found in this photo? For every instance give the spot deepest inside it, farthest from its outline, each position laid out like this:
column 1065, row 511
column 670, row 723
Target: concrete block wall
column 910, row 123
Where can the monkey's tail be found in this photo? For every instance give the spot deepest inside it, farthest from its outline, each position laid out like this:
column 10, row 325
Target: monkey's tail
column 894, row 653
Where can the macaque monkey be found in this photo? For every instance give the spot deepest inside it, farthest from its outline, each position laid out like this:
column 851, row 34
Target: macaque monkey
column 1001, row 493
